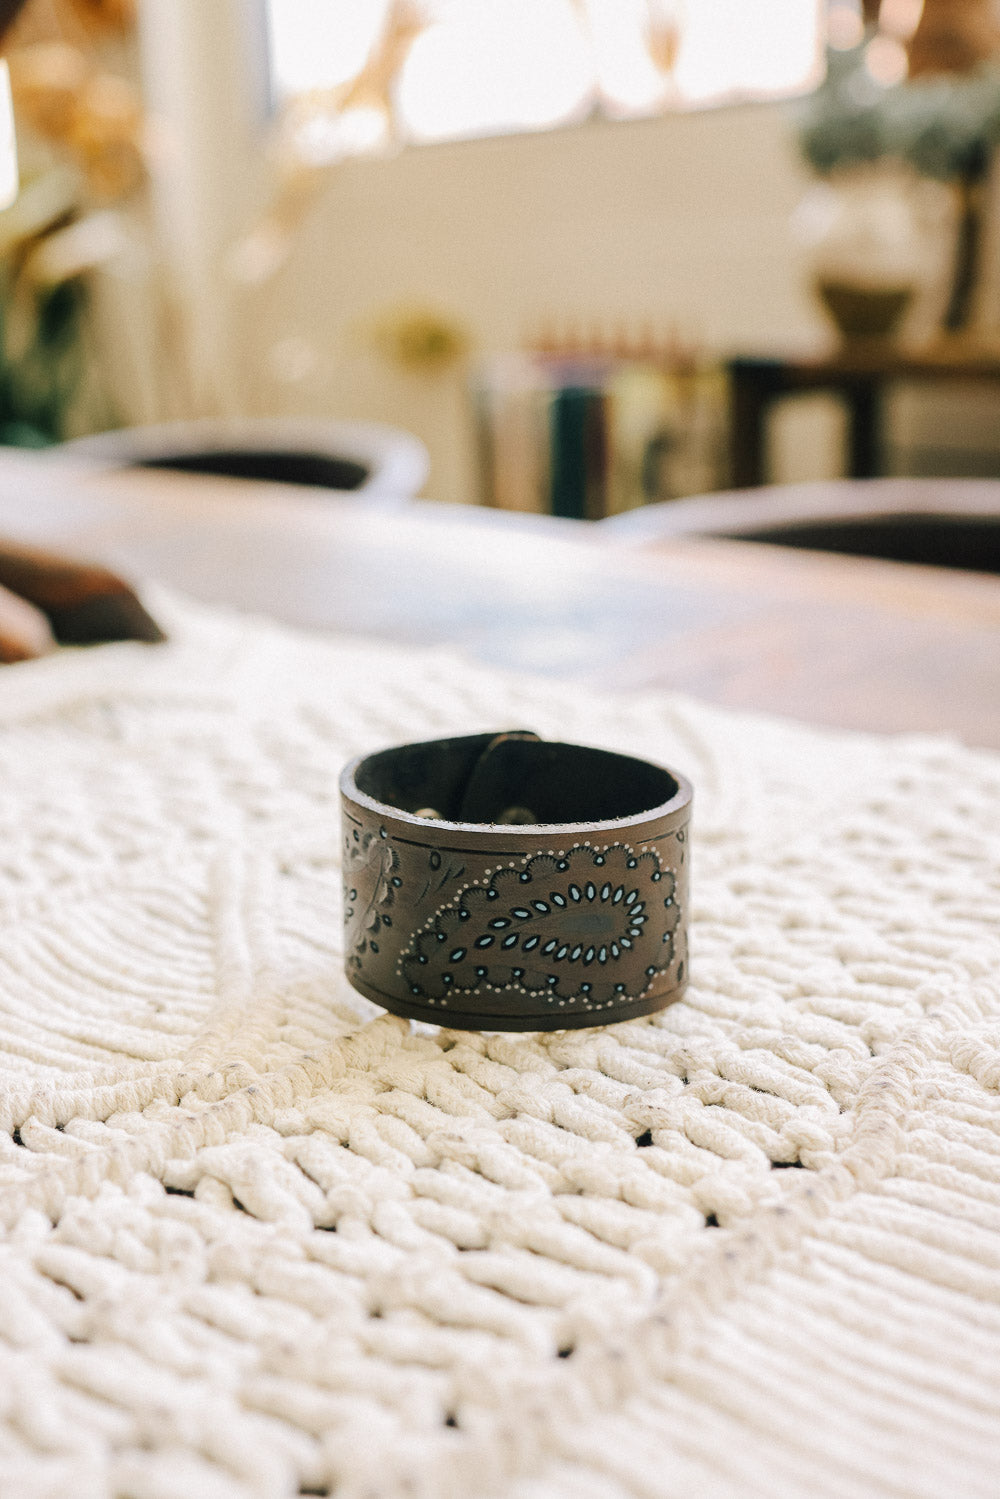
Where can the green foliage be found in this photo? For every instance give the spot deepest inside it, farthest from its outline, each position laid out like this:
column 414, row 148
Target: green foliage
column 41, row 364
column 944, row 127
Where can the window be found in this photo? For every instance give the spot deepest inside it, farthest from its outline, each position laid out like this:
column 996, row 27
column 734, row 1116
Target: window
column 431, row 70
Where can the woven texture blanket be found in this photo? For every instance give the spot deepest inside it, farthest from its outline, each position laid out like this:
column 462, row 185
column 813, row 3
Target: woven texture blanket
column 260, row 1240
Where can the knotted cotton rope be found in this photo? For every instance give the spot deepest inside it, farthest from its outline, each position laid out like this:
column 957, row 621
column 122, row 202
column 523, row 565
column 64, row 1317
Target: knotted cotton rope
column 261, row 1240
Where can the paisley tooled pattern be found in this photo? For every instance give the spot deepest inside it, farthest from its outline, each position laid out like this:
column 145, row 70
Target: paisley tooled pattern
column 571, row 927
column 370, row 866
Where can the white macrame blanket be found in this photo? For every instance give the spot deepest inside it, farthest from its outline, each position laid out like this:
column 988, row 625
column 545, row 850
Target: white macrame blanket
column 260, row 1240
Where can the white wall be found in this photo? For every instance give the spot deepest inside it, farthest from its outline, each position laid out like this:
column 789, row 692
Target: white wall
column 680, row 221
column 202, row 68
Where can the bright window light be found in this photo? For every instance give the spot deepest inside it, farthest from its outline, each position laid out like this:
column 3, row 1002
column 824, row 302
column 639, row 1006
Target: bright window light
column 627, row 76
column 483, row 67
column 320, row 43
column 493, row 65
column 8, row 142
column 729, row 48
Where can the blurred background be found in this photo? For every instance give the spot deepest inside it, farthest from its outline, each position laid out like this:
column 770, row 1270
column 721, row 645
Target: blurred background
column 539, row 235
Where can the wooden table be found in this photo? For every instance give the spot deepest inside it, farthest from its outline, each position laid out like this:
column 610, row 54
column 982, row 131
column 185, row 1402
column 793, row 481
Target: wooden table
column 860, row 373
column 842, row 641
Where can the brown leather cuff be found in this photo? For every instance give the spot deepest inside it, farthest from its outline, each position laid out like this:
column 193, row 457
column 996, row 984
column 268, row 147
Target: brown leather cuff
column 503, row 882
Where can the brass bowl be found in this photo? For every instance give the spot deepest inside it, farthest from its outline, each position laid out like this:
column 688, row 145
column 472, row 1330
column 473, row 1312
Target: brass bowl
column 864, row 311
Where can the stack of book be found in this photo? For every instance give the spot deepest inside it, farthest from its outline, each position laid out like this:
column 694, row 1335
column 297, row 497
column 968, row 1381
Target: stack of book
column 586, row 434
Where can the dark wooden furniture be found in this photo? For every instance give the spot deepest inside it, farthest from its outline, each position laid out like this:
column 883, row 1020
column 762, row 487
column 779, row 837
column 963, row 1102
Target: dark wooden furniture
column 859, row 373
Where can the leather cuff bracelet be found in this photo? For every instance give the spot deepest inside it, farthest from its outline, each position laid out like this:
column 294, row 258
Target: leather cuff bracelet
column 503, row 882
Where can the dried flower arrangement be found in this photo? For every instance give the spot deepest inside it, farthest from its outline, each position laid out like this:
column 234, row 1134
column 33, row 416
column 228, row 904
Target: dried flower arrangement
column 940, row 115
column 79, row 129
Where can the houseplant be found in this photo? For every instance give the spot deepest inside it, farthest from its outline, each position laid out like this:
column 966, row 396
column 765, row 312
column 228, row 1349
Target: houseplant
column 939, row 125
column 79, row 129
